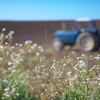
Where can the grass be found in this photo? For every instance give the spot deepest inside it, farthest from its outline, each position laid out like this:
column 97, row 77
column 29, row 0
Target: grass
column 28, row 73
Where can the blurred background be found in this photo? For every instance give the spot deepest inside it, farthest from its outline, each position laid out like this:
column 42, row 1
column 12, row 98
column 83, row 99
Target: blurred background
column 31, row 18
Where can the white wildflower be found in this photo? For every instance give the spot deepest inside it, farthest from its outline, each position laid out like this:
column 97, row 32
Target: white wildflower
column 9, row 63
column 13, row 90
column 73, row 52
column 78, row 58
column 6, row 43
column 6, row 36
column 16, row 44
column 21, row 50
column 7, row 95
column 35, row 45
column 28, row 41
column 5, row 81
column 29, row 51
column 13, row 71
column 41, row 93
column 7, row 89
column 13, row 47
column 96, row 58
column 98, row 79
column 54, row 60
column 3, row 29
column 64, row 64
column 7, row 53
column 0, row 58
column 41, row 49
column 1, row 47
column 20, row 45
column 9, row 68
column 37, row 54
column 11, row 33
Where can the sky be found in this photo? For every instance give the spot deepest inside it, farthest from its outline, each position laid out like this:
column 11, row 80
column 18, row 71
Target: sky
column 48, row 10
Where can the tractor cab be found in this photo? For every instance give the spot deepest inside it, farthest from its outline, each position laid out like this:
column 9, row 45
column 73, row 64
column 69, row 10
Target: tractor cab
column 85, row 25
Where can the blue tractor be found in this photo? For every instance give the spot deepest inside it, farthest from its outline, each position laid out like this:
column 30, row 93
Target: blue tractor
column 87, row 39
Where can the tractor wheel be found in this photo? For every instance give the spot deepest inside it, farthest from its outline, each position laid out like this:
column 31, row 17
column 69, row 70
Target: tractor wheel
column 57, row 45
column 87, row 42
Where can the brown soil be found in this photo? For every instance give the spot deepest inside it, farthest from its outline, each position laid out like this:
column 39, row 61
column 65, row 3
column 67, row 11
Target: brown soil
column 35, row 30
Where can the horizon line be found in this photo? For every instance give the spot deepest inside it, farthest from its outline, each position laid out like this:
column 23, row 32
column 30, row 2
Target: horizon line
column 48, row 20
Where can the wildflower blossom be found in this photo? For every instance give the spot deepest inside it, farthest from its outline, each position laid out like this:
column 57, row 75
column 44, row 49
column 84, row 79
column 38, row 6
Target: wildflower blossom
column 35, row 45
column 6, row 43
column 20, row 45
column 21, row 50
column 96, row 58
column 13, row 90
column 13, row 47
column 9, row 63
column 0, row 58
column 9, row 68
column 73, row 52
column 7, row 53
column 1, row 47
column 54, row 60
column 41, row 49
column 11, row 33
column 78, row 58
column 16, row 44
column 6, row 89
column 5, row 81
column 28, row 42
column 6, row 36
column 91, row 56
column 37, row 54
column 41, row 93
column 7, row 95
column 29, row 51
column 3, row 29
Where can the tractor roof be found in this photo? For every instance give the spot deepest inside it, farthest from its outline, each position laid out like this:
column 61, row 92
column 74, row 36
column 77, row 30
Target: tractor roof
column 83, row 20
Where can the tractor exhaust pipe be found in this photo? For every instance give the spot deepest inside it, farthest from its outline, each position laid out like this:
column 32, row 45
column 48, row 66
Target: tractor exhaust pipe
column 64, row 26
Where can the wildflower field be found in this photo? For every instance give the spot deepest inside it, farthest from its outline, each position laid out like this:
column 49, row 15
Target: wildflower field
column 32, row 72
